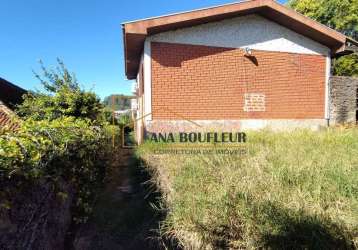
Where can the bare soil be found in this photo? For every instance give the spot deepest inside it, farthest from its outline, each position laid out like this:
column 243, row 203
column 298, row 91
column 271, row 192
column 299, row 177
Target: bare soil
column 124, row 217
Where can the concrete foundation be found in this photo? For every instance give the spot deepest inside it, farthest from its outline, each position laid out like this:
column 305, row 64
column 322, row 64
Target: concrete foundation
column 231, row 125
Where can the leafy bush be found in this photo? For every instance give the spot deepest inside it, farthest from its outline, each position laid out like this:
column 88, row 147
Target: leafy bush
column 63, row 137
column 125, row 120
column 69, row 149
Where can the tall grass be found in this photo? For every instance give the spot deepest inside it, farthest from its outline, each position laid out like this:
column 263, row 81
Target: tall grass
column 292, row 190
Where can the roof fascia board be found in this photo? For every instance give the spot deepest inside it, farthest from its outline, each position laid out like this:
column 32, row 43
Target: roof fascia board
column 307, row 21
column 141, row 27
column 135, row 32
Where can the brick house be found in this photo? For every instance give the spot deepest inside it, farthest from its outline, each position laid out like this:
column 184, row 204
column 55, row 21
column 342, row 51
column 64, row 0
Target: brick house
column 239, row 66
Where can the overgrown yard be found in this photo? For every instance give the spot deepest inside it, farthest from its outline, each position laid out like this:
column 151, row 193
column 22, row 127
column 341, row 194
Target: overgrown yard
column 291, row 190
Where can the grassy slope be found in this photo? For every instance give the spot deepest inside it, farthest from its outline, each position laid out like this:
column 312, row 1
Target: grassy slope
column 292, row 190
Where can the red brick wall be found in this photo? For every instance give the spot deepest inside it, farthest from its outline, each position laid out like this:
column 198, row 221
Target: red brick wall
column 207, row 83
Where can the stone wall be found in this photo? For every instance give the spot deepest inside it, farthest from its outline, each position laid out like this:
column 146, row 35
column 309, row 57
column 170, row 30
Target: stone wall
column 343, row 101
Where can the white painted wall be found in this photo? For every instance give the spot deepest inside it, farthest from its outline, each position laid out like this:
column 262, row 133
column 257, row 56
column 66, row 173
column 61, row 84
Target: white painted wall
column 327, row 87
column 139, row 102
column 147, row 72
column 252, row 31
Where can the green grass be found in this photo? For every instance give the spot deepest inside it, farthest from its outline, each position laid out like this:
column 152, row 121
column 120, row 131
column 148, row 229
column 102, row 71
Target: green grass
column 292, row 190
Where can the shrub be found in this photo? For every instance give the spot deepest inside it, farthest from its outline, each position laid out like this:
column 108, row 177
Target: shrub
column 62, row 149
column 63, row 137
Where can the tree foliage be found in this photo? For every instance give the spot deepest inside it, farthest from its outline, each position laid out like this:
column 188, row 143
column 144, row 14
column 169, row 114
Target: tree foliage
column 62, row 97
column 341, row 15
column 125, row 120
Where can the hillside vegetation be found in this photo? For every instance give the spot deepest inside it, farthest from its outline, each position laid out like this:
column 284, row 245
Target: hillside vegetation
column 292, row 190
column 121, row 102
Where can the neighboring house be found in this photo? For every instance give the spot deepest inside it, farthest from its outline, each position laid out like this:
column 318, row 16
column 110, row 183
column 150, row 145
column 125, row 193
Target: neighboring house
column 119, row 113
column 239, row 66
column 10, row 96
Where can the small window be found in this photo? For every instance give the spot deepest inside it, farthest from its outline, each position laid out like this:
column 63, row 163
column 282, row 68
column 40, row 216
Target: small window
column 254, row 102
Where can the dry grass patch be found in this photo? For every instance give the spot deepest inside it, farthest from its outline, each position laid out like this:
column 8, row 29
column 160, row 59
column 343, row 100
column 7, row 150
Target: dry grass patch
column 292, row 190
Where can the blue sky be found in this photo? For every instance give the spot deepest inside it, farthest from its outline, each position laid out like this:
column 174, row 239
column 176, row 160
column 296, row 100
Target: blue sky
column 85, row 34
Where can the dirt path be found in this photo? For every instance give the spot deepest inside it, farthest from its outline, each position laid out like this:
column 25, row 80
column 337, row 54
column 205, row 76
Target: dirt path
column 124, row 217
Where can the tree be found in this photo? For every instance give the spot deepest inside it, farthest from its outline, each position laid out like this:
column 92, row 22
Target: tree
column 62, row 97
column 341, row 15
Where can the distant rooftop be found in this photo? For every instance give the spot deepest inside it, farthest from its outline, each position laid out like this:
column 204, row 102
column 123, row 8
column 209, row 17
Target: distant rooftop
column 10, row 94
